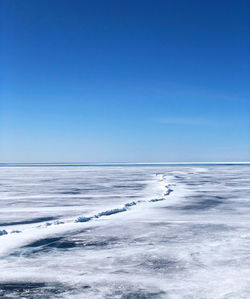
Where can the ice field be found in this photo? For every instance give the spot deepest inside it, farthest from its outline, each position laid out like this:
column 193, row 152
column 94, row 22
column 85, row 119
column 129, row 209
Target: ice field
column 125, row 231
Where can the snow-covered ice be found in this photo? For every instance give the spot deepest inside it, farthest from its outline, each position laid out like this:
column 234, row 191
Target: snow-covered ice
column 125, row 232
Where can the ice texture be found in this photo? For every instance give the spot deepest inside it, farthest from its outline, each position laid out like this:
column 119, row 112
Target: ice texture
column 125, row 232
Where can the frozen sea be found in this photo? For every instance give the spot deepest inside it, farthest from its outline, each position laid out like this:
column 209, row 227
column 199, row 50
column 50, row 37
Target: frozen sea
column 125, row 231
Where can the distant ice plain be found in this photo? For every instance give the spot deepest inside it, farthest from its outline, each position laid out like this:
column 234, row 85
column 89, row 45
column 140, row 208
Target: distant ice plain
column 192, row 242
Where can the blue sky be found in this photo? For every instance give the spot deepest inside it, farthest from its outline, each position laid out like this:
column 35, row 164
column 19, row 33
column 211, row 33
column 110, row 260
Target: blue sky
column 145, row 81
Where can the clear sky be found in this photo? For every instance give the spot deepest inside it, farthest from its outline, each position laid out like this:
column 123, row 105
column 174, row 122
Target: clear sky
column 124, row 81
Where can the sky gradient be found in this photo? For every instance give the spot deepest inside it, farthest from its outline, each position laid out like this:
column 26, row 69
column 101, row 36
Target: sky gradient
column 145, row 81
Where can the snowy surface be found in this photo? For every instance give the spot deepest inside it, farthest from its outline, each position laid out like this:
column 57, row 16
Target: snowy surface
column 125, row 232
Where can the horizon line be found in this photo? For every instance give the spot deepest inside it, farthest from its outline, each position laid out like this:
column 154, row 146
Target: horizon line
column 123, row 163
